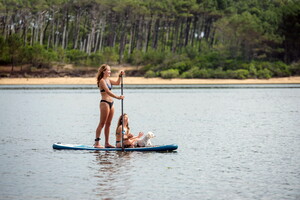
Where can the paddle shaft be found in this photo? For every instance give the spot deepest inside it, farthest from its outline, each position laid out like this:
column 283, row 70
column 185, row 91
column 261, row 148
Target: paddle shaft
column 122, row 113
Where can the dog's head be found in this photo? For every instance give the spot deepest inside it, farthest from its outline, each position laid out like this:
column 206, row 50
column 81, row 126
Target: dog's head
column 150, row 135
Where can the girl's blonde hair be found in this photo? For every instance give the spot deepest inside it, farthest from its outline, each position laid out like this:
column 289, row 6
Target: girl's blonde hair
column 101, row 70
column 120, row 123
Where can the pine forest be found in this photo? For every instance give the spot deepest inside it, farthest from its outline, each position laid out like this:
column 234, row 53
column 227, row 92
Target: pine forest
column 165, row 38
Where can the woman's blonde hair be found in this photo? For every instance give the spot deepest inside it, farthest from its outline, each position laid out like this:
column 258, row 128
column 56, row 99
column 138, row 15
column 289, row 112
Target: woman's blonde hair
column 101, row 70
column 120, row 123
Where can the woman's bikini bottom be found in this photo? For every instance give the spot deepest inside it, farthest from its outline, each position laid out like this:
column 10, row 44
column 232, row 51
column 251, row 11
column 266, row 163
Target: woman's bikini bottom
column 109, row 103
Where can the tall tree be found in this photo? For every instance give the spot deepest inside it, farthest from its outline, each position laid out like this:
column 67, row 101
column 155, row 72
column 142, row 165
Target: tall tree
column 290, row 30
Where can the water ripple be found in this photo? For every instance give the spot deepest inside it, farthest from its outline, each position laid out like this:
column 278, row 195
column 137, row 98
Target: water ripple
column 234, row 143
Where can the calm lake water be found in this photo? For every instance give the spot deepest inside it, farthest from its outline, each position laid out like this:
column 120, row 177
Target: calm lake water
column 235, row 142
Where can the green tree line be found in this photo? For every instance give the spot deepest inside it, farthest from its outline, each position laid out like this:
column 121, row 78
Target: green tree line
column 170, row 38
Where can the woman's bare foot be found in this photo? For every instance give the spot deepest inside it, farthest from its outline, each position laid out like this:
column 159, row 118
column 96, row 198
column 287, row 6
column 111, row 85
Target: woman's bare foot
column 109, row 146
column 97, row 145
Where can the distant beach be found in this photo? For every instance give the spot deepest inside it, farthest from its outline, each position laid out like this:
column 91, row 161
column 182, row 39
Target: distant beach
column 143, row 81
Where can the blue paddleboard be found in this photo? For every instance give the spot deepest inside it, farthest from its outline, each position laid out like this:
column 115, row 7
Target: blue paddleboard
column 170, row 147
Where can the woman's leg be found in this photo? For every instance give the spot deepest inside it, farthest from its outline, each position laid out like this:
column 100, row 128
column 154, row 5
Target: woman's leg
column 107, row 127
column 104, row 112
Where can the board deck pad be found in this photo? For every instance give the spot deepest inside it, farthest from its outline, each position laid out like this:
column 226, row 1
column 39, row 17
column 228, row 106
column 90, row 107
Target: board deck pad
column 58, row 145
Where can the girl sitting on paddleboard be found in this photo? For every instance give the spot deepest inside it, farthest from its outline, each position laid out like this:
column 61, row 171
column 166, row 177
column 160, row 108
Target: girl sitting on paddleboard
column 129, row 139
column 106, row 104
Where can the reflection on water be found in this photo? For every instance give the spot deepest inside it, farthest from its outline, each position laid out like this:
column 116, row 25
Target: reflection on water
column 117, row 173
column 235, row 142
column 112, row 173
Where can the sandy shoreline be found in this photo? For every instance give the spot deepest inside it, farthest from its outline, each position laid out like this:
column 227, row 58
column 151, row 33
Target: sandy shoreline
column 144, row 81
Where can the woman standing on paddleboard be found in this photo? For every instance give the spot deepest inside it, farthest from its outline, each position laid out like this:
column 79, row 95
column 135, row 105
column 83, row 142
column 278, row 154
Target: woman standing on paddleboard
column 106, row 104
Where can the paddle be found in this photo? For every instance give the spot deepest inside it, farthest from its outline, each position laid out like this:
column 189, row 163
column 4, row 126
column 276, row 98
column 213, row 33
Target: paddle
column 122, row 113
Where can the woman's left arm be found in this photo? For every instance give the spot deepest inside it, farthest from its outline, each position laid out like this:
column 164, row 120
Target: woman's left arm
column 118, row 81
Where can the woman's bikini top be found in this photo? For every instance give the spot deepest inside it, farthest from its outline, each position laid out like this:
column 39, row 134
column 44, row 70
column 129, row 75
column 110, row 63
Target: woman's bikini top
column 109, row 87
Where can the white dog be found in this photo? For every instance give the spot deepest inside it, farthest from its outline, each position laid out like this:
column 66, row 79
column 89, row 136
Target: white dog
column 145, row 141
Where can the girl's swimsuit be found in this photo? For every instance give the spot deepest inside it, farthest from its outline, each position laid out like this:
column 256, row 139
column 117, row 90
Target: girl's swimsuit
column 117, row 142
column 109, row 103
